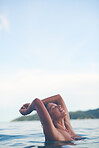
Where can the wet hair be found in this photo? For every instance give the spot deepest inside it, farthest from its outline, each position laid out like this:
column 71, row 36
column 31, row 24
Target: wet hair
column 46, row 105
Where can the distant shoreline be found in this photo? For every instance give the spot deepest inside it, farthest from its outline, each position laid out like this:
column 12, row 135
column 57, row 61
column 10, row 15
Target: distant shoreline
column 89, row 114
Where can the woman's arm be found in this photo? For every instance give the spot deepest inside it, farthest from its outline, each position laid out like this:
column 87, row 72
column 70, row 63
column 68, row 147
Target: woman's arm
column 42, row 112
column 57, row 99
column 27, row 108
column 40, row 108
column 47, row 123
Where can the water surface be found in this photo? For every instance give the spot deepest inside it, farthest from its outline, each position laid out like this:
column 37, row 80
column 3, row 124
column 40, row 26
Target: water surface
column 30, row 135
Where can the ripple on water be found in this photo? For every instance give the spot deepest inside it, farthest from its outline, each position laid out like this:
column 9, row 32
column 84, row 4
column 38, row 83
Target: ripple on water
column 30, row 134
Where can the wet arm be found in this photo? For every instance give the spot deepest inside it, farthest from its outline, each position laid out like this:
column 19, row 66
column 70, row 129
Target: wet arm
column 27, row 108
column 40, row 108
column 57, row 99
column 31, row 107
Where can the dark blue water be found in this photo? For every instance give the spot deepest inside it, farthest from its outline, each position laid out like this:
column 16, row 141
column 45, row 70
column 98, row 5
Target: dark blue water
column 30, row 135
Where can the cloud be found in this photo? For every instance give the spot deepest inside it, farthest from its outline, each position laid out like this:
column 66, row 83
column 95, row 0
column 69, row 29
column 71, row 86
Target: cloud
column 4, row 23
column 27, row 84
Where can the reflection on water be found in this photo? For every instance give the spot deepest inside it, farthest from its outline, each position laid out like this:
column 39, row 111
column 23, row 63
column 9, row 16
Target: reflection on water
column 58, row 144
column 30, row 135
column 54, row 144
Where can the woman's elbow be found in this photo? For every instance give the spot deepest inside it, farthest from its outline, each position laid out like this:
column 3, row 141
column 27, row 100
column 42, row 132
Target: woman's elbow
column 60, row 97
column 36, row 101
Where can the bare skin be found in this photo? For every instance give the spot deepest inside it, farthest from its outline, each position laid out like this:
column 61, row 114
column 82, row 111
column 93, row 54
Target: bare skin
column 54, row 118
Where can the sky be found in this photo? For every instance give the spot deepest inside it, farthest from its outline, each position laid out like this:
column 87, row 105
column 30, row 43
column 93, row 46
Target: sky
column 48, row 47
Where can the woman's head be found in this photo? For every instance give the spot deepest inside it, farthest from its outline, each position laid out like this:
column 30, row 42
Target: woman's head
column 56, row 111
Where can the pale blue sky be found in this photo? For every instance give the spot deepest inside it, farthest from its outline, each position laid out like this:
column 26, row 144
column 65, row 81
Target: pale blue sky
column 48, row 47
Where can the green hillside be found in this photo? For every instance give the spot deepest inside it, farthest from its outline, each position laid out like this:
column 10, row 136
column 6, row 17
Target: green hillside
column 90, row 114
column 93, row 114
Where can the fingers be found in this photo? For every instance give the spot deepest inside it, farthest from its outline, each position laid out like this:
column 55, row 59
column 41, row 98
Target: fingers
column 23, row 107
column 26, row 105
column 22, row 111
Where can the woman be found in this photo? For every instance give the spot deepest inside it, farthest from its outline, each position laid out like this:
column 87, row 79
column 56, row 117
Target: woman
column 54, row 117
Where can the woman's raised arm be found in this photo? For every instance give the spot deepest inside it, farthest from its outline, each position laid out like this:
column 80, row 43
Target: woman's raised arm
column 47, row 123
column 57, row 99
column 40, row 108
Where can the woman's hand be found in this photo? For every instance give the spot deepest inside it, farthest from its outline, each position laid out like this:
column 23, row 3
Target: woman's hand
column 24, row 109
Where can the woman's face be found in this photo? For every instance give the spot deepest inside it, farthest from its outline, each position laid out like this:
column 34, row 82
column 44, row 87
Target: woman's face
column 56, row 111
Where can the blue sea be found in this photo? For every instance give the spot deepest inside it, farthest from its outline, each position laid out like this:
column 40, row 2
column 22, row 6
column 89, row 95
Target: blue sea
column 30, row 135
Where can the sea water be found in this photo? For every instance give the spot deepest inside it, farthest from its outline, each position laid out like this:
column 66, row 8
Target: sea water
column 30, row 135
